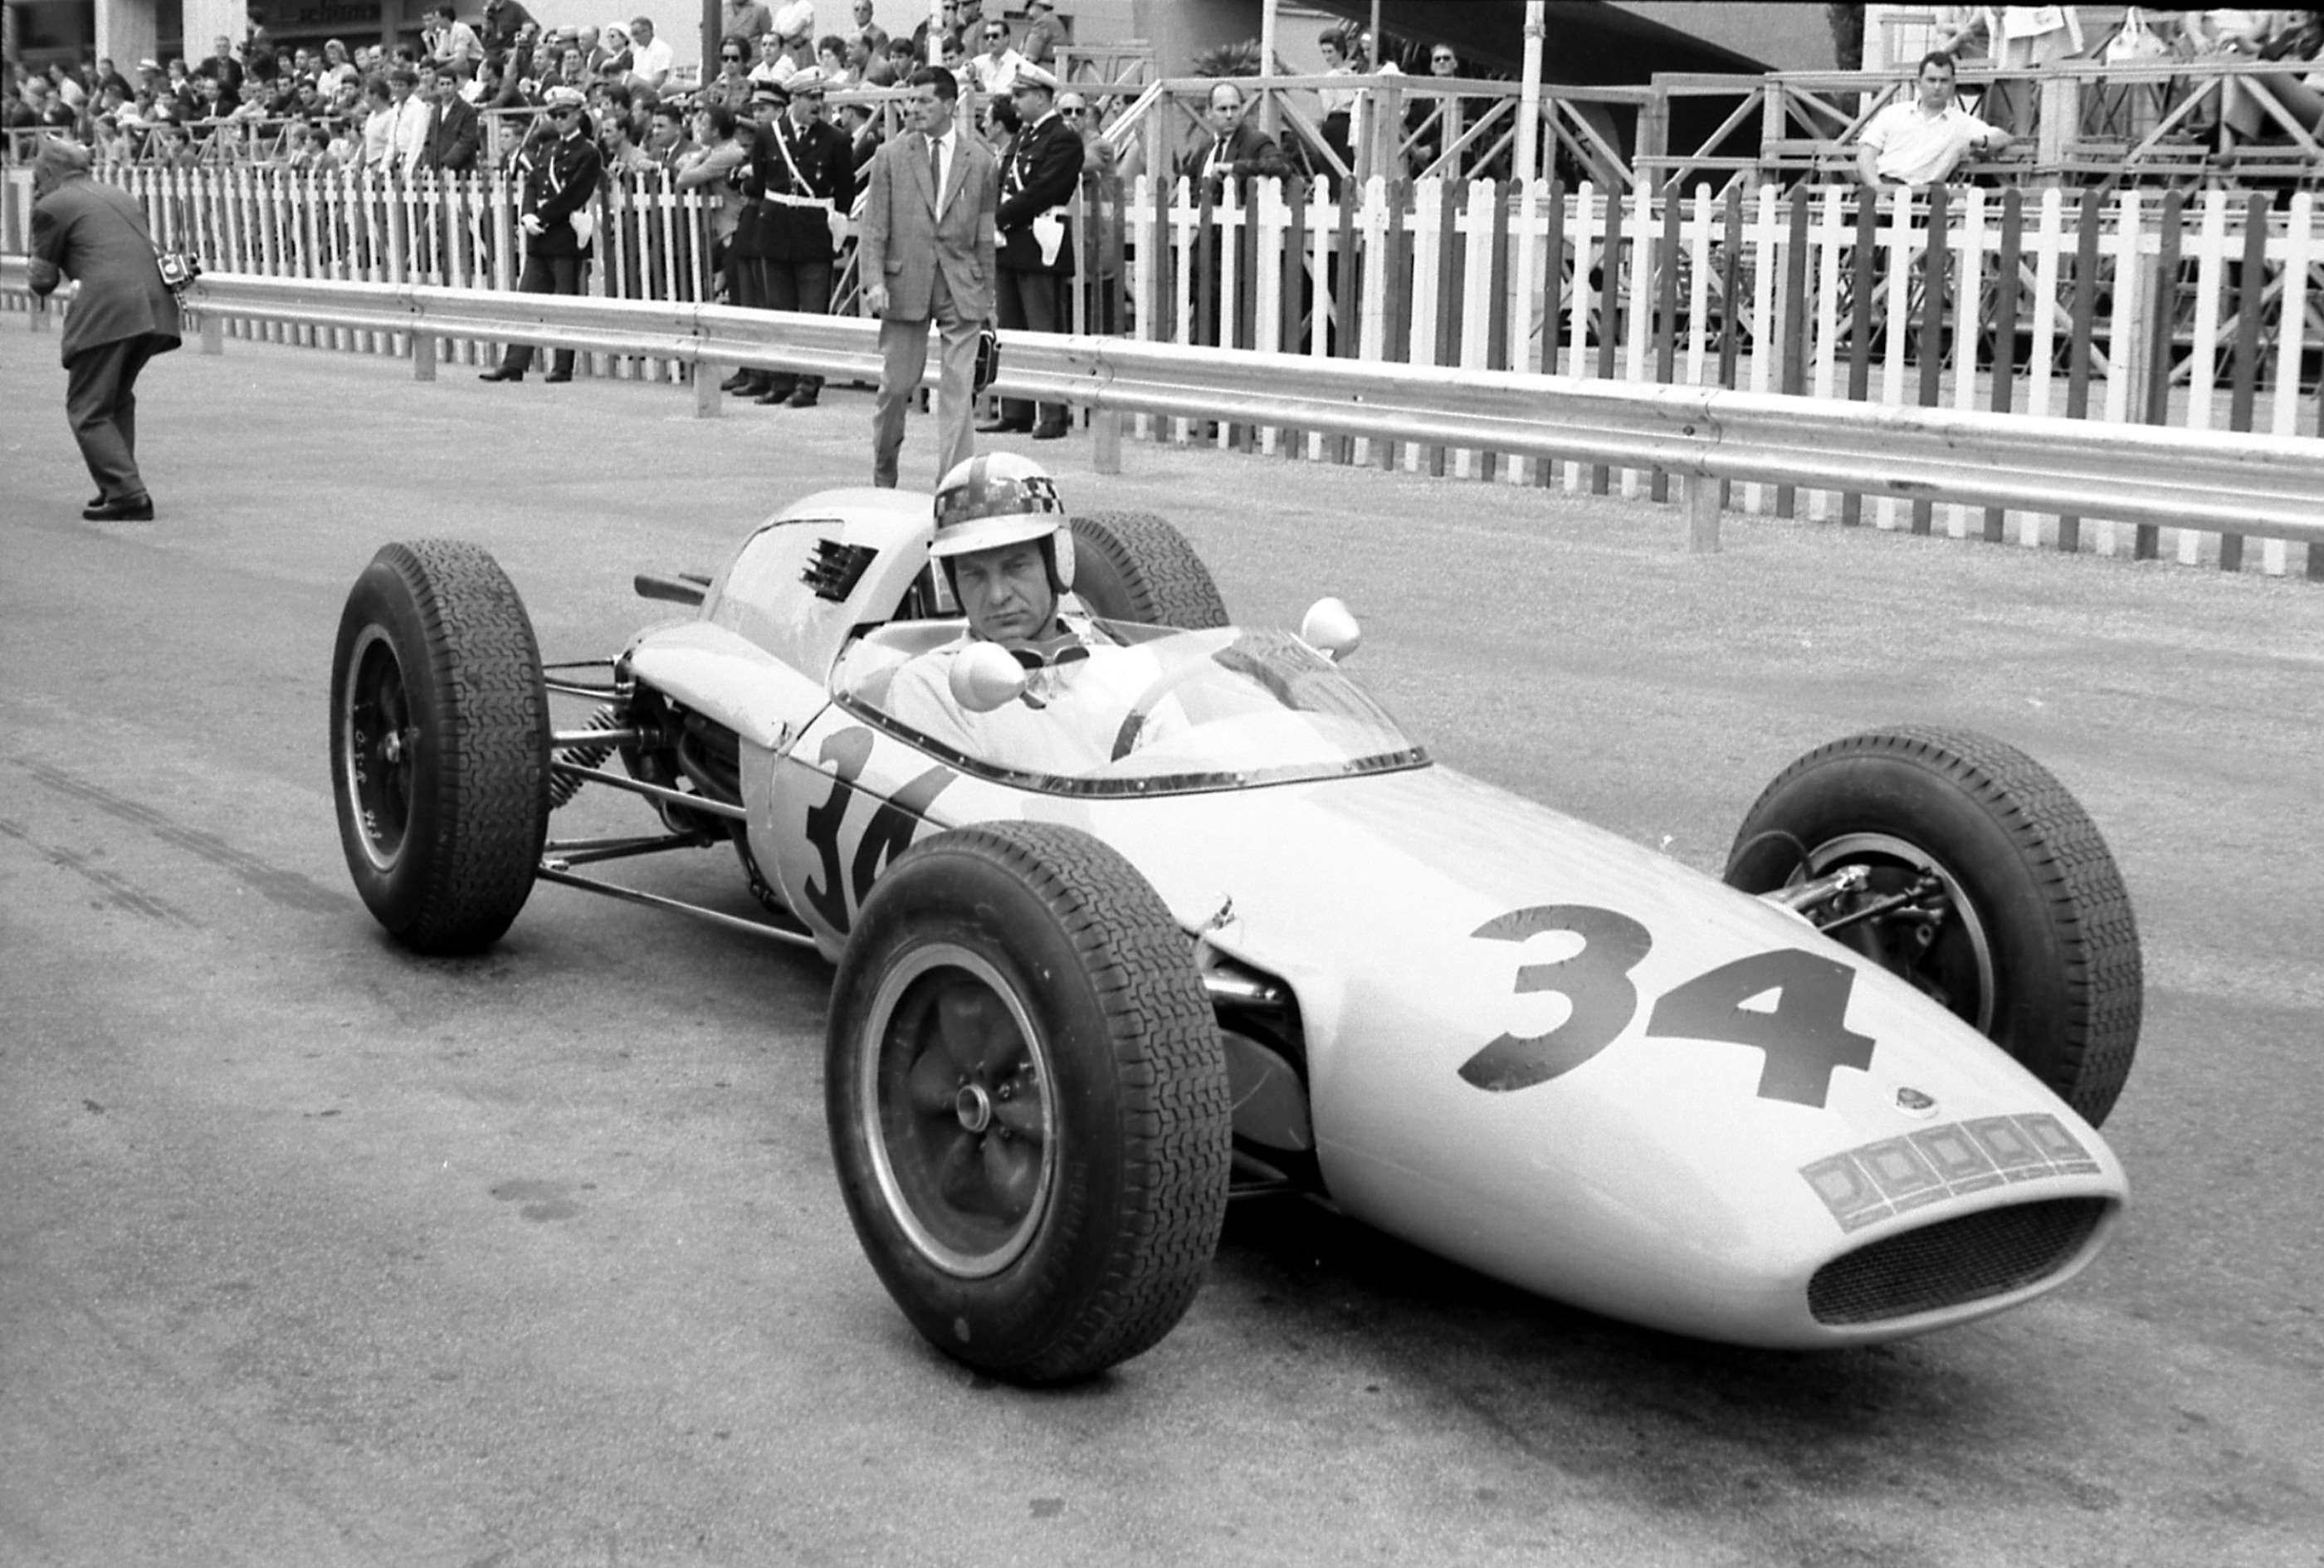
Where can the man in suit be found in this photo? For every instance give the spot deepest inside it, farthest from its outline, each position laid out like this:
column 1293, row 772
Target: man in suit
column 560, row 173
column 1036, row 247
column 1233, row 149
column 802, row 174
column 1232, row 154
column 926, row 253
column 450, row 144
column 123, row 316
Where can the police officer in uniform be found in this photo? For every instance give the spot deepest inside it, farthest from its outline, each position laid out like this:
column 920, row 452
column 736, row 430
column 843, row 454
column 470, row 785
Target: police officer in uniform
column 560, row 171
column 1036, row 247
column 803, row 171
column 746, row 268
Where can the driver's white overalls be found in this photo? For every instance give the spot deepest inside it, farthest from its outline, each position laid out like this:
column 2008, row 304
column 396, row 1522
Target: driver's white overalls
column 1066, row 722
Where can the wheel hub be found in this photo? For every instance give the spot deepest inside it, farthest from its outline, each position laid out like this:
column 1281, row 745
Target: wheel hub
column 956, row 1110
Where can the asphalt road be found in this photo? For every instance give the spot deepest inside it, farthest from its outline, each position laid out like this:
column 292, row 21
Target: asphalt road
column 314, row 1253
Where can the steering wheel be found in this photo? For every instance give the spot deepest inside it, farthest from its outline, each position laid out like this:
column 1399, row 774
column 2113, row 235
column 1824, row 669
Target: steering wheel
column 1126, row 738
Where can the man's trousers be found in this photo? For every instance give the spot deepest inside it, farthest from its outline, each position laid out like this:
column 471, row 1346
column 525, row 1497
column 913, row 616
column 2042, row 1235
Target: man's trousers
column 101, row 405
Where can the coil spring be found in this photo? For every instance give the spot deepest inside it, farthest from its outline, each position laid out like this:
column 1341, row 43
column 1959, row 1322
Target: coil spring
column 564, row 787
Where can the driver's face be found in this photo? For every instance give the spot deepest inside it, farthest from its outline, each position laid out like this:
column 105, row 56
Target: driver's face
column 1005, row 591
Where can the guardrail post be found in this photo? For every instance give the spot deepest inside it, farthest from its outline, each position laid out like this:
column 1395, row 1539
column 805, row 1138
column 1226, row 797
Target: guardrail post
column 423, row 356
column 213, row 332
column 708, row 401
column 1699, row 495
column 1105, row 441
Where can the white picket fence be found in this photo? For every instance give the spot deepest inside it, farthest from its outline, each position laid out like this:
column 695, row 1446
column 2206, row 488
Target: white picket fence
column 1465, row 277
column 1487, row 301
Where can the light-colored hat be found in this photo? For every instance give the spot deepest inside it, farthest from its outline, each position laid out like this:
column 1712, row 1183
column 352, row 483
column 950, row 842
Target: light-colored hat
column 563, row 97
column 1072, row 100
column 1029, row 75
column 806, row 80
column 153, row 65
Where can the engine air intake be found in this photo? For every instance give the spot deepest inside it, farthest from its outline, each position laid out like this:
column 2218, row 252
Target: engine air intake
column 1956, row 1260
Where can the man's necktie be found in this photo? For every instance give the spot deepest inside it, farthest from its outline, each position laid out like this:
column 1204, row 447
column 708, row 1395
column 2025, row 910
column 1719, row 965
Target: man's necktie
column 936, row 168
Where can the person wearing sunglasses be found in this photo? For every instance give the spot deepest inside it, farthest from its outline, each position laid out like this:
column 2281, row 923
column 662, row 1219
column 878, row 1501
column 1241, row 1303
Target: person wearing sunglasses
column 732, row 88
column 559, row 173
column 995, row 69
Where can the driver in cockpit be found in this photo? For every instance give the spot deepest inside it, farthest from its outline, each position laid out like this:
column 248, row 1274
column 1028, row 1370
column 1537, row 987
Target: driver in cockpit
column 1001, row 539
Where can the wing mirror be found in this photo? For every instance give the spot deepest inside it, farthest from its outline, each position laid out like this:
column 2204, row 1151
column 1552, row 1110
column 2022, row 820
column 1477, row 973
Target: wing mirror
column 1330, row 628
column 985, row 676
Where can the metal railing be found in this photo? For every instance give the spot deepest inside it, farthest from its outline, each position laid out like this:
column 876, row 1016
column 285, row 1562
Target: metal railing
column 2233, row 484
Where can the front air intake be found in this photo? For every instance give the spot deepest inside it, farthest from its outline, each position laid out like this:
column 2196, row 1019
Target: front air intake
column 1954, row 1262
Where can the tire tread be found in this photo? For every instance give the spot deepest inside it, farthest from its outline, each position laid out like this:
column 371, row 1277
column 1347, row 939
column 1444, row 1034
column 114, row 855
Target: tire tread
column 1168, row 583
column 2087, row 903
column 490, row 807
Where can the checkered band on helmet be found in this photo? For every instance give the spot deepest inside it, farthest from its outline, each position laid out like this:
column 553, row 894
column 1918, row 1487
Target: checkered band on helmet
column 995, row 498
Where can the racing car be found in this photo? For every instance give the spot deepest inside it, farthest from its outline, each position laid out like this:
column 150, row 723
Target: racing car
column 1261, row 942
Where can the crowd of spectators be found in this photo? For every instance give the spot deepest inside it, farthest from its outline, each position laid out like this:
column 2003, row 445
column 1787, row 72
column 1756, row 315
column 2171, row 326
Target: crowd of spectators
column 2246, row 108
column 370, row 105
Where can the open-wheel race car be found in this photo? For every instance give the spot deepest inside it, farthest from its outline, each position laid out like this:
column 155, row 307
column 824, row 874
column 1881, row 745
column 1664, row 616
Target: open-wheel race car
column 1246, row 936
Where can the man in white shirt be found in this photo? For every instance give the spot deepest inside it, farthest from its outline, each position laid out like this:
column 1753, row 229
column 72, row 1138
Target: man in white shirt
column 407, row 133
column 447, row 39
column 995, row 69
column 651, row 58
column 1922, row 142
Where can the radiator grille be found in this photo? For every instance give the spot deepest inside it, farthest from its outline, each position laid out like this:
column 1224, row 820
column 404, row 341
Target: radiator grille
column 1956, row 1260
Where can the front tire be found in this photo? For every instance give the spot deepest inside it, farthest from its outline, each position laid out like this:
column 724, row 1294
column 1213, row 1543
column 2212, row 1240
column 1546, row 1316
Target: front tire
column 2028, row 936
column 440, row 745
column 1028, row 1102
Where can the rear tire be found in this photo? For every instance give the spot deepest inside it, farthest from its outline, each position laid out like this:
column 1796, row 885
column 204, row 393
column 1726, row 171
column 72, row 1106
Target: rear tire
column 1133, row 566
column 2036, row 946
column 1028, row 1101
column 440, row 745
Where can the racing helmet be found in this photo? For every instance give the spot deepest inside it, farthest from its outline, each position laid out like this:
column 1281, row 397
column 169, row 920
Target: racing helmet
column 998, row 498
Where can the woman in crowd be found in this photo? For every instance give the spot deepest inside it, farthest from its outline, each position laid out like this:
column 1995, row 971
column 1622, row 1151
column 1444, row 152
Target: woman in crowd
column 1339, row 103
column 707, row 166
column 616, row 56
column 732, row 88
column 831, row 58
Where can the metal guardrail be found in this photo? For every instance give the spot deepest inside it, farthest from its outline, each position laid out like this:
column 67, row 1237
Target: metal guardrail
column 2271, row 486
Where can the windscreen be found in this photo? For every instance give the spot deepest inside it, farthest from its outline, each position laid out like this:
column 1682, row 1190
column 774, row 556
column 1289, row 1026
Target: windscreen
column 1146, row 710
